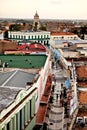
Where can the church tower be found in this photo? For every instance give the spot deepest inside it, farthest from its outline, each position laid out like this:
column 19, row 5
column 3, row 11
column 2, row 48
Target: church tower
column 36, row 23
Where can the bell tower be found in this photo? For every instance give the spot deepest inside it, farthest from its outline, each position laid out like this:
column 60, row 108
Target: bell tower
column 36, row 23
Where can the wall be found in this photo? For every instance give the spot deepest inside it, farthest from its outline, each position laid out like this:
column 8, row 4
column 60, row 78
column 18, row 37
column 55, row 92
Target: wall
column 42, row 80
column 1, row 35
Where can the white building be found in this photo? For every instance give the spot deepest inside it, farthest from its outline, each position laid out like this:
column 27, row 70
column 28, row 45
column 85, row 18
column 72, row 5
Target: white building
column 64, row 36
column 1, row 35
column 57, row 38
column 40, row 36
column 85, row 37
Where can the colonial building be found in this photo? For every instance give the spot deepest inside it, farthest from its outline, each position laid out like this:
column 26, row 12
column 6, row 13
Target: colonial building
column 22, row 85
column 39, row 36
column 17, row 104
column 61, row 39
column 1, row 35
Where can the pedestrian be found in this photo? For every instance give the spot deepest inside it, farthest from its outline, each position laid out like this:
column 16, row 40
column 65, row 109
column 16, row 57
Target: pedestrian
column 52, row 64
column 57, row 96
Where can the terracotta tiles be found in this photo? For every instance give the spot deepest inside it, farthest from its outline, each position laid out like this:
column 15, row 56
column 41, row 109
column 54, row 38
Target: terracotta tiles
column 82, row 84
column 83, row 97
column 62, row 33
column 81, row 128
column 81, row 71
column 82, row 114
column 41, row 113
column 44, row 100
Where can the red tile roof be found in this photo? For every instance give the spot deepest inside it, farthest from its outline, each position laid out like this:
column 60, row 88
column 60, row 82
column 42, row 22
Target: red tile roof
column 44, row 99
column 81, row 71
column 41, row 113
column 62, row 33
column 38, row 46
column 48, row 85
column 82, row 113
column 82, row 97
column 82, row 84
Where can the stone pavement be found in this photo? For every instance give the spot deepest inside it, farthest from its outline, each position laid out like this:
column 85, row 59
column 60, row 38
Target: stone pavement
column 55, row 114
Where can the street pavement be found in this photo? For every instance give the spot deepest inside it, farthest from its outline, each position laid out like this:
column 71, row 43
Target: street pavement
column 55, row 114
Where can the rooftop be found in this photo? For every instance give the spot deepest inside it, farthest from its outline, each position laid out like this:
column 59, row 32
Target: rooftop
column 71, row 42
column 82, row 113
column 62, row 33
column 81, row 71
column 82, row 84
column 44, row 100
column 82, row 97
column 24, row 61
column 7, row 96
column 18, row 79
column 40, row 114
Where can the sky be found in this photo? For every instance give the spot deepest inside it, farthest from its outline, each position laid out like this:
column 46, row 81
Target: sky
column 46, row 9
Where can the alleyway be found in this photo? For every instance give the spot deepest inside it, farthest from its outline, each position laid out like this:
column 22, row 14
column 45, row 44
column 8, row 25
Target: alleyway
column 56, row 112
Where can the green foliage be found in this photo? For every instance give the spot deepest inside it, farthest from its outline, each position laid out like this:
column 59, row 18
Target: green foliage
column 15, row 27
column 6, row 34
column 81, row 31
column 35, row 27
column 43, row 27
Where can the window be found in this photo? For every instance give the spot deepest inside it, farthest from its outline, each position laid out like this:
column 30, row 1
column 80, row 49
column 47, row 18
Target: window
column 24, row 37
column 13, row 36
column 30, row 108
column 28, row 37
column 21, row 37
column 44, row 36
column 8, row 126
column 32, row 37
column 85, row 119
column 20, row 119
column 10, row 36
column 47, row 36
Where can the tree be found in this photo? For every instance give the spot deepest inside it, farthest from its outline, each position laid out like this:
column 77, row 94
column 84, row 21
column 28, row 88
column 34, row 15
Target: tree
column 15, row 27
column 6, row 34
column 43, row 27
column 35, row 27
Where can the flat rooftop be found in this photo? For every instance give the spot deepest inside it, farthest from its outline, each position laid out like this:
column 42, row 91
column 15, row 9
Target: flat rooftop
column 11, row 83
column 17, row 78
column 71, row 41
column 24, row 61
column 7, row 96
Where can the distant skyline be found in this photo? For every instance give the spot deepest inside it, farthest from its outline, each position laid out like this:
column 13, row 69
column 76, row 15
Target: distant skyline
column 46, row 9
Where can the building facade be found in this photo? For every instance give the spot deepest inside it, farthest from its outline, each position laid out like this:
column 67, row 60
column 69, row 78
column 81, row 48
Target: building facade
column 40, row 36
column 17, row 104
column 1, row 35
column 21, row 94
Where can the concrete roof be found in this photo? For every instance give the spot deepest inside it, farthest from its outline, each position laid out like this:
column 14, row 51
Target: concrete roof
column 16, row 78
column 11, row 83
column 7, row 96
column 70, row 41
